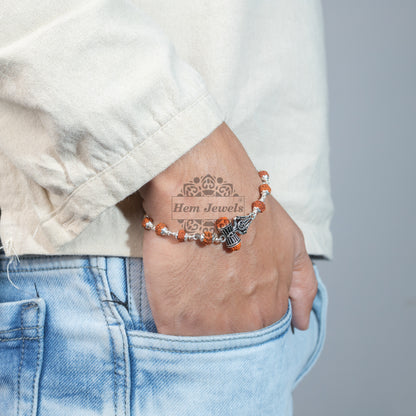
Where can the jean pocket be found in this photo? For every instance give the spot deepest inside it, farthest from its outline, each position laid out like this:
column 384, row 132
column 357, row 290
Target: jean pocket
column 21, row 352
column 243, row 373
column 240, row 374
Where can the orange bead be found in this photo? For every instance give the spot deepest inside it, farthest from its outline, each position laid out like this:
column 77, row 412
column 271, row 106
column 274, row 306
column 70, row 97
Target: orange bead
column 159, row 228
column 145, row 221
column 264, row 187
column 207, row 238
column 235, row 248
column 262, row 173
column 181, row 235
column 259, row 205
column 221, row 222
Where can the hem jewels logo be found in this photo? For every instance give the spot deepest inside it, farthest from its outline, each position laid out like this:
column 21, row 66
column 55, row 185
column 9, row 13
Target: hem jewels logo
column 204, row 199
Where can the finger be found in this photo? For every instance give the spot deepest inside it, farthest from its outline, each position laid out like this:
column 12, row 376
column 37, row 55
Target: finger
column 302, row 293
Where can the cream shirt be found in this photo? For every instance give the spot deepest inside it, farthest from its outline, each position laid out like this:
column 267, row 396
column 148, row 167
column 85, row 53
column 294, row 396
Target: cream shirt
column 98, row 97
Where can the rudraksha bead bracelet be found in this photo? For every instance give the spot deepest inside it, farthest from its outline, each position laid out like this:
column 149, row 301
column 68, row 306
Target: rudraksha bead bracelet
column 228, row 231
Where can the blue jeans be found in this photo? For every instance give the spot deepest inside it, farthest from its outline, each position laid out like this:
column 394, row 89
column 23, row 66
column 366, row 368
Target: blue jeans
column 77, row 338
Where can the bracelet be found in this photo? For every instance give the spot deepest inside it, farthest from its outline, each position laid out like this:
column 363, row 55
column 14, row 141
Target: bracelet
column 228, row 231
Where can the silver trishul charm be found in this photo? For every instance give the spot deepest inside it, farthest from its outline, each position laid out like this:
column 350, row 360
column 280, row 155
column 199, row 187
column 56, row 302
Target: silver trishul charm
column 239, row 225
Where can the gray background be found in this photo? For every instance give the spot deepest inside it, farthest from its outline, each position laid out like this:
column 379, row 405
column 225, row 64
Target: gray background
column 368, row 365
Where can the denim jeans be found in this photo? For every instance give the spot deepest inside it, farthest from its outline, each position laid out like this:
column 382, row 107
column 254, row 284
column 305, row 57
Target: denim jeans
column 77, row 338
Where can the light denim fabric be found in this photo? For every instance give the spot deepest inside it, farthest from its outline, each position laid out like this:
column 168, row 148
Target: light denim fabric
column 77, row 338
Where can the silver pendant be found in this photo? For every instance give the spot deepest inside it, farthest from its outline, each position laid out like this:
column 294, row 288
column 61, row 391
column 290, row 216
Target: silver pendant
column 238, row 225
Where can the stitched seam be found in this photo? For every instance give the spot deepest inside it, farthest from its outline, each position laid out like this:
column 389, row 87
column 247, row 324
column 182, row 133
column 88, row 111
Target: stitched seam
column 57, row 268
column 54, row 256
column 55, row 212
column 130, row 304
column 37, row 364
column 206, row 350
column 129, row 299
column 20, row 364
column 125, row 370
column 109, row 306
column 206, row 340
column 125, row 357
column 141, row 274
column 109, row 333
column 20, row 329
column 31, row 306
column 231, row 337
column 16, row 339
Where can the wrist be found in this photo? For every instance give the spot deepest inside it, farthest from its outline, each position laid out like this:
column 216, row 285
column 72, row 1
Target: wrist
column 225, row 230
column 219, row 155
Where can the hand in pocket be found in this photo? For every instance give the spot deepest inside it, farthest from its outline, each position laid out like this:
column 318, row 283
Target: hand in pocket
column 195, row 290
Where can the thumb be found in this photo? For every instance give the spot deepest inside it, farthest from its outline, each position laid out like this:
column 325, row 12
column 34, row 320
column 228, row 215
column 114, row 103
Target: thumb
column 302, row 292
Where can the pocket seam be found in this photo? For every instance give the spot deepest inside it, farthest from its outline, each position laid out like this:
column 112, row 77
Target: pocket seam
column 266, row 330
column 21, row 338
column 271, row 332
column 179, row 351
column 5, row 331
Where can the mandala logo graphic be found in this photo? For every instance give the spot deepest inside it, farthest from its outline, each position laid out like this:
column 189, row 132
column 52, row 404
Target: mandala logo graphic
column 215, row 198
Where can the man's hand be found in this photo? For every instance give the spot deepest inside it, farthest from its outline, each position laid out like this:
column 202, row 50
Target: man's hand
column 196, row 290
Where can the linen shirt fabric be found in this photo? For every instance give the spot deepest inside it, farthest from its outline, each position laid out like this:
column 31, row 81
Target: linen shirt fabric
column 98, row 97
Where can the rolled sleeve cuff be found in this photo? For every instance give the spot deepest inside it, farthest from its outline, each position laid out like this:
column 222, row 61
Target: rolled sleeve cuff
column 135, row 168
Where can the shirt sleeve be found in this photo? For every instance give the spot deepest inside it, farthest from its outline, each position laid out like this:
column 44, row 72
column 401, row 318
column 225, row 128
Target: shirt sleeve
column 94, row 103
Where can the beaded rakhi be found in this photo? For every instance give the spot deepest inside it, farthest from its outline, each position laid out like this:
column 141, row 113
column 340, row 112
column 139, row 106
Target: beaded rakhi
column 228, row 231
